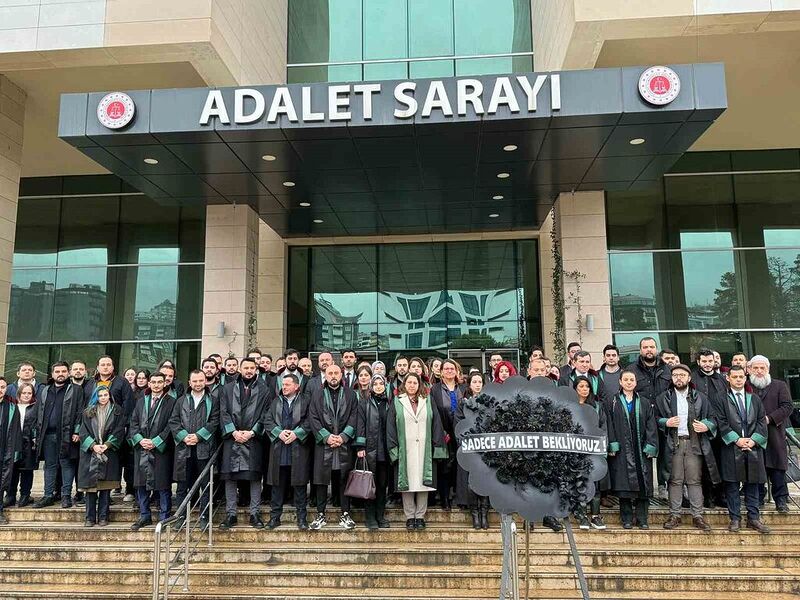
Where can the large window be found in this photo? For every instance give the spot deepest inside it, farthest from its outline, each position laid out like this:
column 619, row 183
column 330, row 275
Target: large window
column 711, row 257
column 100, row 268
column 482, row 294
column 399, row 39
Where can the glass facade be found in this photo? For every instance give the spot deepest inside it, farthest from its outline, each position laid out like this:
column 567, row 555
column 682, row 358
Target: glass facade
column 711, row 257
column 101, row 269
column 400, row 33
column 414, row 297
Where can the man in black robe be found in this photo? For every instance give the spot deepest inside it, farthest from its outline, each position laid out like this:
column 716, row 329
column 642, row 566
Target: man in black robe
column 291, row 450
column 153, row 451
column 211, row 372
column 58, row 423
column 333, row 414
column 194, row 423
column 777, row 401
column 743, row 429
column 685, row 417
column 243, row 403
column 10, row 443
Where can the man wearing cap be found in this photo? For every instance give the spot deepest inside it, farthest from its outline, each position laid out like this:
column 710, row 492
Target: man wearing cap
column 777, row 402
column 685, row 417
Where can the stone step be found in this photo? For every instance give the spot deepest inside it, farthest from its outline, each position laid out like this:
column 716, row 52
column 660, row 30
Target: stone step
column 594, row 554
column 445, row 534
column 346, row 577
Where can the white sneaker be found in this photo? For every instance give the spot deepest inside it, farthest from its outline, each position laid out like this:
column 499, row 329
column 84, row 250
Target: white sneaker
column 128, row 498
column 345, row 522
column 319, row 522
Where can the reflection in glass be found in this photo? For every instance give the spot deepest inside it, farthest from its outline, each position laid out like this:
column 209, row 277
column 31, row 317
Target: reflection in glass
column 711, row 292
column 633, row 293
column 88, row 230
column 30, row 313
column 37, row 232
column 82, row 305
column 385, row 30
column 492, row 26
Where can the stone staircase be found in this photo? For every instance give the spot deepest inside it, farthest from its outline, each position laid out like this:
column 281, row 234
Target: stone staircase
column 48, row 553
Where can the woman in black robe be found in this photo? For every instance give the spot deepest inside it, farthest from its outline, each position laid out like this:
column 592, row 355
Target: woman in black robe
column 101, row 434
column 633, row 443
column 28, row 460
column 465, row 497
column 583, row 388
column 446, row 395
column 10, row 441
column 370, row 444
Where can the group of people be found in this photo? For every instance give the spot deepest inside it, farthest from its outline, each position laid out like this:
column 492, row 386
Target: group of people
column 278, row 434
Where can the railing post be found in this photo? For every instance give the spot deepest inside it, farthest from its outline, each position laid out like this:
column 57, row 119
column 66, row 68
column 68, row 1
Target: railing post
column 166, row 567
column 210, row 506
column 156, row 561
column 188, row 526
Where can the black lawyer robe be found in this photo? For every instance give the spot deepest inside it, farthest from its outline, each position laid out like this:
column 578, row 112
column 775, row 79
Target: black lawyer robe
column 324, row 422
column 745, row 466
column 243, row 461
column 302, row 449
column 778, row 407
column 73, row 405
column 10, row 442
column 371, row 429
column 667, row 407
column 202, row 421
column 152, row 468
column 91, row 469
column 120, row 390
column 29, row 455
column 633, row 446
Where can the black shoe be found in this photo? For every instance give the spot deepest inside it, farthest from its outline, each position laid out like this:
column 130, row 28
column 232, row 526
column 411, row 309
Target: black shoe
column 476, row 519
column 411, row 524
column 421, row 524
column 627, row 525
column 9, row 502
column 302, row 523
column 88, row 523
column 44, row 502
column 230, row 521
column 782, row 508
column 141, row 522
column 24, row 501
column 274, row 523
column 256, row 522
column 66, row 502
column 80, row 500
column 383, row 523
column 552, row 523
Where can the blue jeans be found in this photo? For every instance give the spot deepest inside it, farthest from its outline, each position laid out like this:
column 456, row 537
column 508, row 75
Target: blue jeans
column 735, row 503
column 164, row 502
column 52, row 462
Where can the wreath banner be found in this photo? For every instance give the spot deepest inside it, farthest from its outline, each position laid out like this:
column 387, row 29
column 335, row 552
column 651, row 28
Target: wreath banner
column 534, row 442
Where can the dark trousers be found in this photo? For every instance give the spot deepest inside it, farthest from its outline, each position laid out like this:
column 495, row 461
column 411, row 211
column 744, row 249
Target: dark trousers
column 626, row 510
column 194, row 466
column 281, row 491
column 376, row 509
column 97, row 504
column 735, row 503
column 339, row 478
column 164, row 502
column 445, row 477
column 780, row 489
column 52, row 463
column 22, row 479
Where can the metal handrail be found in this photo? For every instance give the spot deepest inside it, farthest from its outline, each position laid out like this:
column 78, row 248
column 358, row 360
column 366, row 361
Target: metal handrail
column 185, row 508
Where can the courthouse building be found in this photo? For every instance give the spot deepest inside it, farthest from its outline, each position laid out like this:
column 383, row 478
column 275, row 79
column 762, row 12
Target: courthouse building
column 186, row 177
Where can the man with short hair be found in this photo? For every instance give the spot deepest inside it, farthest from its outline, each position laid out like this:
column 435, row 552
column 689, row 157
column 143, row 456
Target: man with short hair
column 743, row 429
column 306, row 367
column 537, row 368
column 494, row 359
column 280, row 364
column 332, row 416
column 717, row 361
column 58, row 420
column 739, row 359
column 26, row 373
column 77, row 374
column 231, row 372
column 169, row 380
column 400, row 372
column 670, row 357
column 291, row 451
column 583, row 368
column 687, row 419
column 537, row 352
column 210, row 372
column 218, row 359
column 266, row 363
column 242, row 406
column 153, row 450
column 194, row 423
column 777, row 402
column 610, row 371
column 572, row 349
column 349, row 359
column 324, row 359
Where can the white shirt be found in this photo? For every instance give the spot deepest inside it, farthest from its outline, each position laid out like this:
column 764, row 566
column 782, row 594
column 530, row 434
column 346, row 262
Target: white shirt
column 198, row 398
column 683, row 411
column 22, row 408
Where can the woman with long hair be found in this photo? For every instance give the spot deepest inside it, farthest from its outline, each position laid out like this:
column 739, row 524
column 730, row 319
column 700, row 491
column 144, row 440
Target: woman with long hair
column 446, row 395
column 371, row 445
column 435, row 369
column 130, row 377
column 10, row 441
column 415, row 439
column 102, row 432
column 583, row 388
column 28, row 462
column 142, row 383
column 478, row 505
column 502, row 371
column 363, row 383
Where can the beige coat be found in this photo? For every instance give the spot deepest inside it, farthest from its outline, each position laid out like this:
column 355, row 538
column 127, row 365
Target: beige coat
column 416, row 428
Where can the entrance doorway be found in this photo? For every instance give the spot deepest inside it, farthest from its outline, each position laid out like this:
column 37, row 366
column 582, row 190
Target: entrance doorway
column 479, row 359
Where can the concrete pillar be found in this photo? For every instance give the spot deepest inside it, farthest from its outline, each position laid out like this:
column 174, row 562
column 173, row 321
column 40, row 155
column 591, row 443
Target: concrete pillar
column 581, row 221
column 230, row 291
column 272, row 298
column 12, row 116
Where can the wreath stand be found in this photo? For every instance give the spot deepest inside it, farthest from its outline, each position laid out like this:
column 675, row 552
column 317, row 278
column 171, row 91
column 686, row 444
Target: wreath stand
column 509, row 579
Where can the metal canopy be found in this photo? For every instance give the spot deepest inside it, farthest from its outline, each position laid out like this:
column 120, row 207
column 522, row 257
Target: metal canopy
column 388, row 175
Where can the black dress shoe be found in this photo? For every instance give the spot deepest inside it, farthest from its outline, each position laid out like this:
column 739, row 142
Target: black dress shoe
column 383, row 523
column 141, row 522
column 274, row 523
column 256, row 522
column 66, row 502
column 552, row 523
column 24, row 501
column 230, row 521
column 421, row 524
column 782, row 508
column 44, row 502
column 302, row 524
column 411, row 524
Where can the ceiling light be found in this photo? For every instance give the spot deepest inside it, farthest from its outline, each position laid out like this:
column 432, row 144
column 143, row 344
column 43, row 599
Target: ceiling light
column 268, row 157
column 151, row 161
column 305, row 204
column 317, row 221
column 636, row 141
column 288, row 183
column 493, row 216
column 498, row 197
column 503, row 175
column 510, row 148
